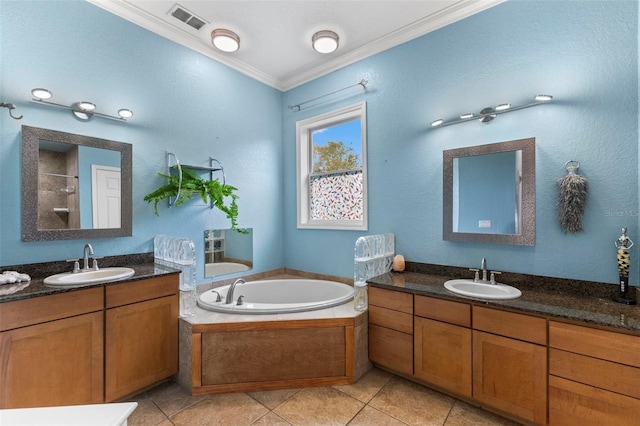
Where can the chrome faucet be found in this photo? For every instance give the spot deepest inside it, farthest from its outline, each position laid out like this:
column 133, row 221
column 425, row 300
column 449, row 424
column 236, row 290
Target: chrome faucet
column 88, row 250
column 229, row 298
column 483, row 268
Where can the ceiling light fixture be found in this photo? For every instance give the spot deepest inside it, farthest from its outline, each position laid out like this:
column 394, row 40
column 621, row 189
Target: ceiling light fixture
column 82, row 110
column 487, row 115
column 225, row 40
column 325, row 41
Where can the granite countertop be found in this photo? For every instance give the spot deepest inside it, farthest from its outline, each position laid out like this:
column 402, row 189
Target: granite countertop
column 536, row 299
column 143, row 266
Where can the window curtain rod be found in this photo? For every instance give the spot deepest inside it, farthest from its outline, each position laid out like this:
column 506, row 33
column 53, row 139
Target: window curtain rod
column 362, row 83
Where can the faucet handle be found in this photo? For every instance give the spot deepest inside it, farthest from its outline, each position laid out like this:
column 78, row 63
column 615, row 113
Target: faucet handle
column 76, row 265
column 493, row 276
column 476, row 278
column 94, row 265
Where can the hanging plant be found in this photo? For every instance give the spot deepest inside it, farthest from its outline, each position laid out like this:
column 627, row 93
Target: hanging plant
column 210, row 191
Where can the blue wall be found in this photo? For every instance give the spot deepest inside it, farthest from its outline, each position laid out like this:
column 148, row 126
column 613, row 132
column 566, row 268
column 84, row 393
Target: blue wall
column 583, row 53
column 182, row 101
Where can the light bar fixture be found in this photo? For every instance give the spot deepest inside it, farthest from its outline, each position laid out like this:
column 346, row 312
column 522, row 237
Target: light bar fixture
column 83, row 110
column 488, row 114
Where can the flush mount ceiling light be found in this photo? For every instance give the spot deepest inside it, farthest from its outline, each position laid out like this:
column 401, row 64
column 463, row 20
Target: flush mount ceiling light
column 325, row 41
column 84, row 110
column 488, row 114
column 225, row 40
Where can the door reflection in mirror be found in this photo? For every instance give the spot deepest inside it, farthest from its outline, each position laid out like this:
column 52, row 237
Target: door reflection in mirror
column 227, row 252
column 487, row 190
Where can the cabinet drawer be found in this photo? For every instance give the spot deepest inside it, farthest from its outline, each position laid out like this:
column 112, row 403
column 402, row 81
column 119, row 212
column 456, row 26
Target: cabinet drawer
column 138, row 291
column 21, row 313
column 391, row 349
column 396, row 300
column 596, row 372
column 608, row 345
column 572, row 403
column 391, row 319
column 444, row 310
column 518, row 326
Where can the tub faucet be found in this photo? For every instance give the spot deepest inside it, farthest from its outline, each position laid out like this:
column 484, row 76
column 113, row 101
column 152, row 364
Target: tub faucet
column 88, row 250
column 229, row 298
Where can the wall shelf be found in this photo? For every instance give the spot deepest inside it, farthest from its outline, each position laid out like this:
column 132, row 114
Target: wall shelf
column 178, row 166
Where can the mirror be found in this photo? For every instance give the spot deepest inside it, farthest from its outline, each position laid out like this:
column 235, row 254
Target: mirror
column 227, row 252
column 489, row 193
column 82, row 186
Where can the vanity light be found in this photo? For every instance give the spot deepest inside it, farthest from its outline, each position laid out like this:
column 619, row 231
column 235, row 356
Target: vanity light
column 325, row 41
column 84, row 110
column 225, row 40
column 488, row 114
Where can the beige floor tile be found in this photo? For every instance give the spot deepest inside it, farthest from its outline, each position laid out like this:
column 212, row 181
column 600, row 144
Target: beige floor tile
column 463, row 414
column 237, row 409
column 171, row 398
column 370, row 416
column 412, row 403
column 368, row 385
column 319, row 407
column 146, row 414
column 271, row 419
column 271, row 399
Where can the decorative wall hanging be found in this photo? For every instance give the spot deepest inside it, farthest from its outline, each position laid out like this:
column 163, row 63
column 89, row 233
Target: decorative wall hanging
column 623, row 244
column 572, row 199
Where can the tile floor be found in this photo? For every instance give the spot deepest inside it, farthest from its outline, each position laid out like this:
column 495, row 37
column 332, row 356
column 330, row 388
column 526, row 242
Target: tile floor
column 378, row 398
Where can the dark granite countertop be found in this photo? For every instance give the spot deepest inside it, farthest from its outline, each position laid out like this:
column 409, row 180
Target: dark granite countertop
column 580, row 303
column 143, row 266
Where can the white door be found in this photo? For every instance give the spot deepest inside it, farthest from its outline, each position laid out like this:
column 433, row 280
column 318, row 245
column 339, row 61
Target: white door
column 106, row 196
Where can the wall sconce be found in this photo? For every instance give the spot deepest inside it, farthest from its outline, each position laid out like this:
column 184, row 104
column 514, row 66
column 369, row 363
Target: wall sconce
column 325, row 41
column 487, row 115
column 225, row 40
column 81, row 110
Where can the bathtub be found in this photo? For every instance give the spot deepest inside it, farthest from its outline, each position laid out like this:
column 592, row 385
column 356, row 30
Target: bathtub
column 278, row 296
column 221, row 268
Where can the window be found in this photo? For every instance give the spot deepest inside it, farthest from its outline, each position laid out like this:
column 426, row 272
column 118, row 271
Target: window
column 332, row 170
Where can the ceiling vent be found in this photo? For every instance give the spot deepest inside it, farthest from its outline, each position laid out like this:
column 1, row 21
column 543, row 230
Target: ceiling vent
column 187, row 17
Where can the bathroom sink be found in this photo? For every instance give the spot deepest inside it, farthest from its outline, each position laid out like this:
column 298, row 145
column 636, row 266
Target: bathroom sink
column 482, row 290
column 103, row 275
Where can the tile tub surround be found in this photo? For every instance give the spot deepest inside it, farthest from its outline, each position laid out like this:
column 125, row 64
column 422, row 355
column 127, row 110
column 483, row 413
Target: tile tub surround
column 203, row 317
column 141, row 263
column 569, row 299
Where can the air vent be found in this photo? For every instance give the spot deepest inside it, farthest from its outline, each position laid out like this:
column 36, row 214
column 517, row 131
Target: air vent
column 187, row 17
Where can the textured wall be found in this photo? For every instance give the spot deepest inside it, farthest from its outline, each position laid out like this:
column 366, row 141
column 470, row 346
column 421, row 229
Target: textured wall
column 182, row 101
column 583, row 53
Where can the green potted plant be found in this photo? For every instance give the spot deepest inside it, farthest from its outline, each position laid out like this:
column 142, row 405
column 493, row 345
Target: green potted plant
column 211, row 191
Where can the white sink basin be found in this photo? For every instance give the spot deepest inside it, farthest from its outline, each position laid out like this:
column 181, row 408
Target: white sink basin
column 481, row 290
column 89, row 277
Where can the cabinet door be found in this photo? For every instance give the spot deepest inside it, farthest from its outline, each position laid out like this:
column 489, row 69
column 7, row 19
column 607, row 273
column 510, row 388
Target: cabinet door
column 141, row 345
column 443, row 355
column 54, row 363
column 510, row 375
column 391, row 349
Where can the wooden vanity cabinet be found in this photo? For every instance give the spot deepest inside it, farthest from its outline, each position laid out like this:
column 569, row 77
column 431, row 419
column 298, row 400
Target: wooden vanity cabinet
column 141, row 334
column 510, row 362
column 442, row 342
column 391, row 329
column 51, row 350
column 594, row 376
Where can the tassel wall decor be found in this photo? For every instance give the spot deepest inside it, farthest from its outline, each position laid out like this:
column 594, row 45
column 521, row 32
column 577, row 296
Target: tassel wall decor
column 573, row 198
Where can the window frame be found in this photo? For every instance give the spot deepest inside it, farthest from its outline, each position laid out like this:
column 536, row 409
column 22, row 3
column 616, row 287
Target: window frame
column 304, row 164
